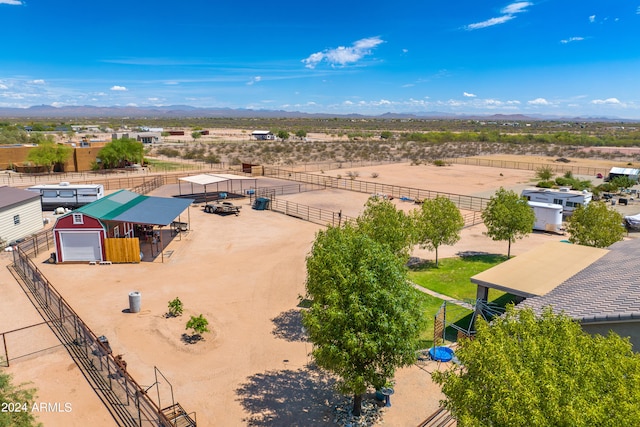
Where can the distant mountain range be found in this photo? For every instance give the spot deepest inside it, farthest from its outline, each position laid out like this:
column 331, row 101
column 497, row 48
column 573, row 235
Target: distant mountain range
column 186, row 111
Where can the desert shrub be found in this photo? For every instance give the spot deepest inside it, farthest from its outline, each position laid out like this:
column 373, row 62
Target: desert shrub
column 175, row 308
column 545, row 184
column 439, row 163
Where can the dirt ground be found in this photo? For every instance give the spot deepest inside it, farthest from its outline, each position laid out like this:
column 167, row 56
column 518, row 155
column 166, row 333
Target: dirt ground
column 244, row 274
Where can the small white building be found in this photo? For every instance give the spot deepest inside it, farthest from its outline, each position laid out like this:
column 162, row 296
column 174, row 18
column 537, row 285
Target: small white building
column 630, row 173
column 564, row 196
column 20, row 214
column 263, row 135
column 548, row 217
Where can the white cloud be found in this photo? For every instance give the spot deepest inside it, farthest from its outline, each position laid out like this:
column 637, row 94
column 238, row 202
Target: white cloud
column 592, row 18
column 638, row 11
column 256, row 79
column 516, row 7
column 3, row 86
column 538, row 101
column 37, row 82
column 508, row 13
column 118, row 88
column 469, row 95
column 490, row 22
column 405, row 50
column 342, row 56
column 11, row 2
column 572, row 39
column 608, row 101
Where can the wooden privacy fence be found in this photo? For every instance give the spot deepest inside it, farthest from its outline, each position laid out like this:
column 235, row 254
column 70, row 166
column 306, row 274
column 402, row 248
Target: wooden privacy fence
column 122, row 249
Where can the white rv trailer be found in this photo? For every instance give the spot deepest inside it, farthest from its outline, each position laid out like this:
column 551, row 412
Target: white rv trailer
column 65, row 195
column 548, row 217
column 567, row 198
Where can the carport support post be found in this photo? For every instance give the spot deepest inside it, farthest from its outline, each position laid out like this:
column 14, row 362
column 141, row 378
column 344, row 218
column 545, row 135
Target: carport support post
column 482, row 293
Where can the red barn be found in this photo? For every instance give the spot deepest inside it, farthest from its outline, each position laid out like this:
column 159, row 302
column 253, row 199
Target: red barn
column 80, row 235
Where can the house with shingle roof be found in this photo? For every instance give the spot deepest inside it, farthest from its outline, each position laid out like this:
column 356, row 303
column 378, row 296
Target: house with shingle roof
column 600, row 288
column 20, row 214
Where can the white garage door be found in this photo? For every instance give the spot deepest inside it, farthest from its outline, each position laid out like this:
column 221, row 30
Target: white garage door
column 81, row 246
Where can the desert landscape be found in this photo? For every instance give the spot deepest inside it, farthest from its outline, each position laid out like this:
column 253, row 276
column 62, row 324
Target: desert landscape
column 246, row 275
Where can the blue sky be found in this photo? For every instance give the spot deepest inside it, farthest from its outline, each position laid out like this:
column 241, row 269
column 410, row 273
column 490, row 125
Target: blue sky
column 555, row 57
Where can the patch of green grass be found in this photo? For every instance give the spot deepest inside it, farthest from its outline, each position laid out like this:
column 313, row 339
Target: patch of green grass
column 453, row 276
column 430, row 306
column 168, row 166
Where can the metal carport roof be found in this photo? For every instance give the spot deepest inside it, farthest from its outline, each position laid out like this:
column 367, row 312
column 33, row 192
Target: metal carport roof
column 131, row 207
column 208, row 178
column 540, row 270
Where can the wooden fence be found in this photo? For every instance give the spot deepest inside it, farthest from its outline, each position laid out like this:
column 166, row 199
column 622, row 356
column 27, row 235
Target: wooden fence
column 122, row 249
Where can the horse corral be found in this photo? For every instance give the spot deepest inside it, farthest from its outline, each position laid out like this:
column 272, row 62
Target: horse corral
column 243, row 275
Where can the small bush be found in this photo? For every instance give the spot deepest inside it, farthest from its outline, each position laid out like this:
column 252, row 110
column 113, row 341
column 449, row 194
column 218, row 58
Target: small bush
column 545, row 184
column 175, row 308
column 198, row 326
column 439, row 163
column 374, row 174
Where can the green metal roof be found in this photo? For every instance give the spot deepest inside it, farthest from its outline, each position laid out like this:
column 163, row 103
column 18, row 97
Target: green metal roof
column 127, row 206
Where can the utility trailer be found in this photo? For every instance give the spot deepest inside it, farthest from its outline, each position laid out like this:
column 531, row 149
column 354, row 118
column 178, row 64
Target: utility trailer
column 222, row 208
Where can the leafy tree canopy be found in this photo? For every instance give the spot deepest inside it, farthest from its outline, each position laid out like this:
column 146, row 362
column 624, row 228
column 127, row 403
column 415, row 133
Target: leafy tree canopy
column 385, row 224
column 120, row 151
column 48, row 153
column 365, row 318
column 528, row 370
column 438, row 223
column 595, row 225
column 508, row 217
column 12, row 395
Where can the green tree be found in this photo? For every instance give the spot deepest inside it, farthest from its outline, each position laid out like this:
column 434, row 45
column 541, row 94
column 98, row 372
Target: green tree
column 196, row 134
column 544, row 173
column 385, row 224
column 621, row 182
column 508, row 217
column 198, row 326
column 365, row 318
column 437, row 223
column 595, row 225
column 119, row 152
column 283, row 135
column 10, row 394
column 301, row 133
column 528, row 370
column 386, row 134
column 48, row 154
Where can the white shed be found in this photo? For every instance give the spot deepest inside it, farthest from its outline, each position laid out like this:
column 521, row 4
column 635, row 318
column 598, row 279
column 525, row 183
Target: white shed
column 20, row 214
column 548, row 217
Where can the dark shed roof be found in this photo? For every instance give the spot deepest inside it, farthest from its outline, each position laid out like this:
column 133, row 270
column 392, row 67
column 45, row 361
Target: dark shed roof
column 10, row 196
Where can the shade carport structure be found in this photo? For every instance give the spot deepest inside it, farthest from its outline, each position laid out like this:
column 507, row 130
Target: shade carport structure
column 538, row 271
column 208, row 179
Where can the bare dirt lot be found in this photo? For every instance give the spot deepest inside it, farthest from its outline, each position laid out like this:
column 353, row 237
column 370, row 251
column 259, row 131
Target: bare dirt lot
column 244, row 274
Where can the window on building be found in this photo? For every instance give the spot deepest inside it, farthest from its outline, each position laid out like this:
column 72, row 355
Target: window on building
column 558, row 202
column 116, row 231
column 16, row 219
column 78, row 219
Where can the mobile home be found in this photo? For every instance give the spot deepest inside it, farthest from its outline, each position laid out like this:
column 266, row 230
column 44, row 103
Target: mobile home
column 65, row 195
column 548, row 217
column 565, row 197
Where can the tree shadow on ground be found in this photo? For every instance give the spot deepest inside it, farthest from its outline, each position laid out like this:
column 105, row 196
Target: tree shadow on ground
column 303, row 397
column 288, row 326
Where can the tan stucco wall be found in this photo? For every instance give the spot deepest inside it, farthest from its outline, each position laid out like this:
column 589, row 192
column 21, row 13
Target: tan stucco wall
column 624, row 329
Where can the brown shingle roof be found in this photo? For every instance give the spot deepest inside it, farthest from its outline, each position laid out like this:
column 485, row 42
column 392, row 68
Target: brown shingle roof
column 10, row 196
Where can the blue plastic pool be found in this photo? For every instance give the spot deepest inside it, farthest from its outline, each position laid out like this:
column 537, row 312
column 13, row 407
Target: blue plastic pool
column 441, row 354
